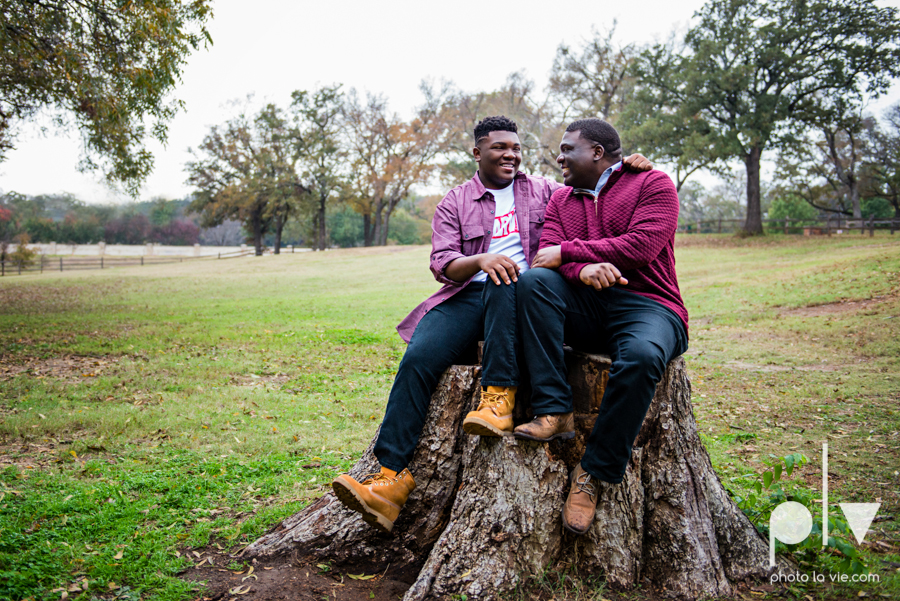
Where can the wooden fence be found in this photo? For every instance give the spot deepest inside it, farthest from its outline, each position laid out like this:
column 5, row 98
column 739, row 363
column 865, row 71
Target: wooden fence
column 43, row 263
column 809, row 227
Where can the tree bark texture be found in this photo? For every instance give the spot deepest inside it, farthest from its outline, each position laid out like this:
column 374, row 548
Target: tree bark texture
column 486, row 513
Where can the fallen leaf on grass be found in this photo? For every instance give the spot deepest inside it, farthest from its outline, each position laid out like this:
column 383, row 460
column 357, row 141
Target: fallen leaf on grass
column 118, row 555
column 361, row 576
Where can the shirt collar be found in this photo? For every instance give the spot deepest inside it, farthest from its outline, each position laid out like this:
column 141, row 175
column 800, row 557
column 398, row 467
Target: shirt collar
column 605, row 177
column 480, row 190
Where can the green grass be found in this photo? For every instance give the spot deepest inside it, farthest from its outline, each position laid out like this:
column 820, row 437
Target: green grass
column 153, row 411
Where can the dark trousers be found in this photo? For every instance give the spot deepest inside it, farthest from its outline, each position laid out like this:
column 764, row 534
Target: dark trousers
column 640, row 335
column 446, row 333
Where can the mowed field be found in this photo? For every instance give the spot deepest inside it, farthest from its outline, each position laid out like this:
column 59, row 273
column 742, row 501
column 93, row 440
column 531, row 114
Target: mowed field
column 151, row 414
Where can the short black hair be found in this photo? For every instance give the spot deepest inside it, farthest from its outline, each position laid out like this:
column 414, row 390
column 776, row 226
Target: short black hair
column 599, row 131
column 495, row 123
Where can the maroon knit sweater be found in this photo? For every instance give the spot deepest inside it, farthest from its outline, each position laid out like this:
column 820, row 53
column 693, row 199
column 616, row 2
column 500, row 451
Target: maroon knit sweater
column 631, row 225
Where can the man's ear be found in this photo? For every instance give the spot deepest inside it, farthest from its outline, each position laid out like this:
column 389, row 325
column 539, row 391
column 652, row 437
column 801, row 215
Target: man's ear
column 476, row 152
column 599, row 152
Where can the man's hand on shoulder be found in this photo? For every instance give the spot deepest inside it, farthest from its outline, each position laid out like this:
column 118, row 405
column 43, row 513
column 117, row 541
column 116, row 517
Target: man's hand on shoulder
column 601, row 275
column 549, row 258
column 637, row 163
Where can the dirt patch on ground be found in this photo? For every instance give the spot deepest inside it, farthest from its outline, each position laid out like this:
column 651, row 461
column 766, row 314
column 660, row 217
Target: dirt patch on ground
column 285, row 578
column 67, row 368
column 744, row 366
column 849, row 306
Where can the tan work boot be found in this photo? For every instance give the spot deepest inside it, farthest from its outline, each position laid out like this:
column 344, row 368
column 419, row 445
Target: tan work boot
column 578, row 512
column 494, row 414
column 378, row 498
column 545, row 428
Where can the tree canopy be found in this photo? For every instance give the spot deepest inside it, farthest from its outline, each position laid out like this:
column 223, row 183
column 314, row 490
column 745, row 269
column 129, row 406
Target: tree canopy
column 104, row 66
column 753, row 75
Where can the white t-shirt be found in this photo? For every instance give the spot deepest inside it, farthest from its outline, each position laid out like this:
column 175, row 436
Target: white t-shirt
column 506, row 239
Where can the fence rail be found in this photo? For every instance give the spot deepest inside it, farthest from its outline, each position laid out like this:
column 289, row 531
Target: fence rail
column 43, row 263
column 809, row 227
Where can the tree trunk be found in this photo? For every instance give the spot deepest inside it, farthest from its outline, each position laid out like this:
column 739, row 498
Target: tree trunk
column 753, row 226
column 256, row 227
column 486, row 515
column 322, row 233
column 367, row 230
column 377, row 226
column 279, row 226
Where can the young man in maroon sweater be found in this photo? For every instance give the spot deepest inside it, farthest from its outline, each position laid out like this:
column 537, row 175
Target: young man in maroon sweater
column 604, row 282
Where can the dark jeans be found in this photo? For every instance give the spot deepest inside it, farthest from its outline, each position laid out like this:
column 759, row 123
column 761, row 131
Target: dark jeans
column 446, row 333
column 640, row 335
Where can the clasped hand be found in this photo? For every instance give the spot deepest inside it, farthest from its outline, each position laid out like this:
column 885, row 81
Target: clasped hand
column 601, row 275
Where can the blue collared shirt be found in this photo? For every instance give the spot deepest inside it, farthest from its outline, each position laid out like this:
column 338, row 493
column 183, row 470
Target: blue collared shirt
column 605, row 177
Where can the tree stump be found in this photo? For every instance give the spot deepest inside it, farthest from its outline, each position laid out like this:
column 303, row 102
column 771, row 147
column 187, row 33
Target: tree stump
column 486, row 513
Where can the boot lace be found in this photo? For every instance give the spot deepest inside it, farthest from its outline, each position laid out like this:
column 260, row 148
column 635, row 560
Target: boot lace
column 491, row 400
column 585, row 485
column 377, row 479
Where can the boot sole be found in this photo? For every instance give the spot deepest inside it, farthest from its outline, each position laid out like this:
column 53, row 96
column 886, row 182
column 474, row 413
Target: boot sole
column 558, row 435
column 479, row 427
column 351, row 500
column 573, row 530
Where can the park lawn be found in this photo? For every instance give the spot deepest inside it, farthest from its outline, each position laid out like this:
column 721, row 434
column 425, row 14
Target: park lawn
column 150, row 412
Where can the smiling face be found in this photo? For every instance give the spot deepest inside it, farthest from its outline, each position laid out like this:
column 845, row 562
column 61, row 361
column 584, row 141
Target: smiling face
column 498, row 156
column 581, row 160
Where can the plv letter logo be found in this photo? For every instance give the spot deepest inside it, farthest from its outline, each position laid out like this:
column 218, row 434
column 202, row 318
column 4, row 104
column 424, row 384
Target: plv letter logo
column 859, row 518
column 791, row 522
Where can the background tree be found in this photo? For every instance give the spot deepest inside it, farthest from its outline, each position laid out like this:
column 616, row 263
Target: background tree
column 882, row 165
column 653, row 123
column 279, row 151
column 319, row 118
column 826, row 171
column 593, row 80
column 389, row 156
column 540, row 129
column 753, row 74
column 102, row 65
column 228, row 180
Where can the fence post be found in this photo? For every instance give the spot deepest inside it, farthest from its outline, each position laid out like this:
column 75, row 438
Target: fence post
column 142, row 260
column 787, row 220
column 828, row 226
column 893, row 226
column 698, row 226
column 20, row 268
column 60, row 263
column 42, row 263
column 101, row 262
column 2, row 267
column 871, row 224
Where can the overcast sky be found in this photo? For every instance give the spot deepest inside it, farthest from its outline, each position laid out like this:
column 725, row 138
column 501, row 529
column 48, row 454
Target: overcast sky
column 269, row 48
